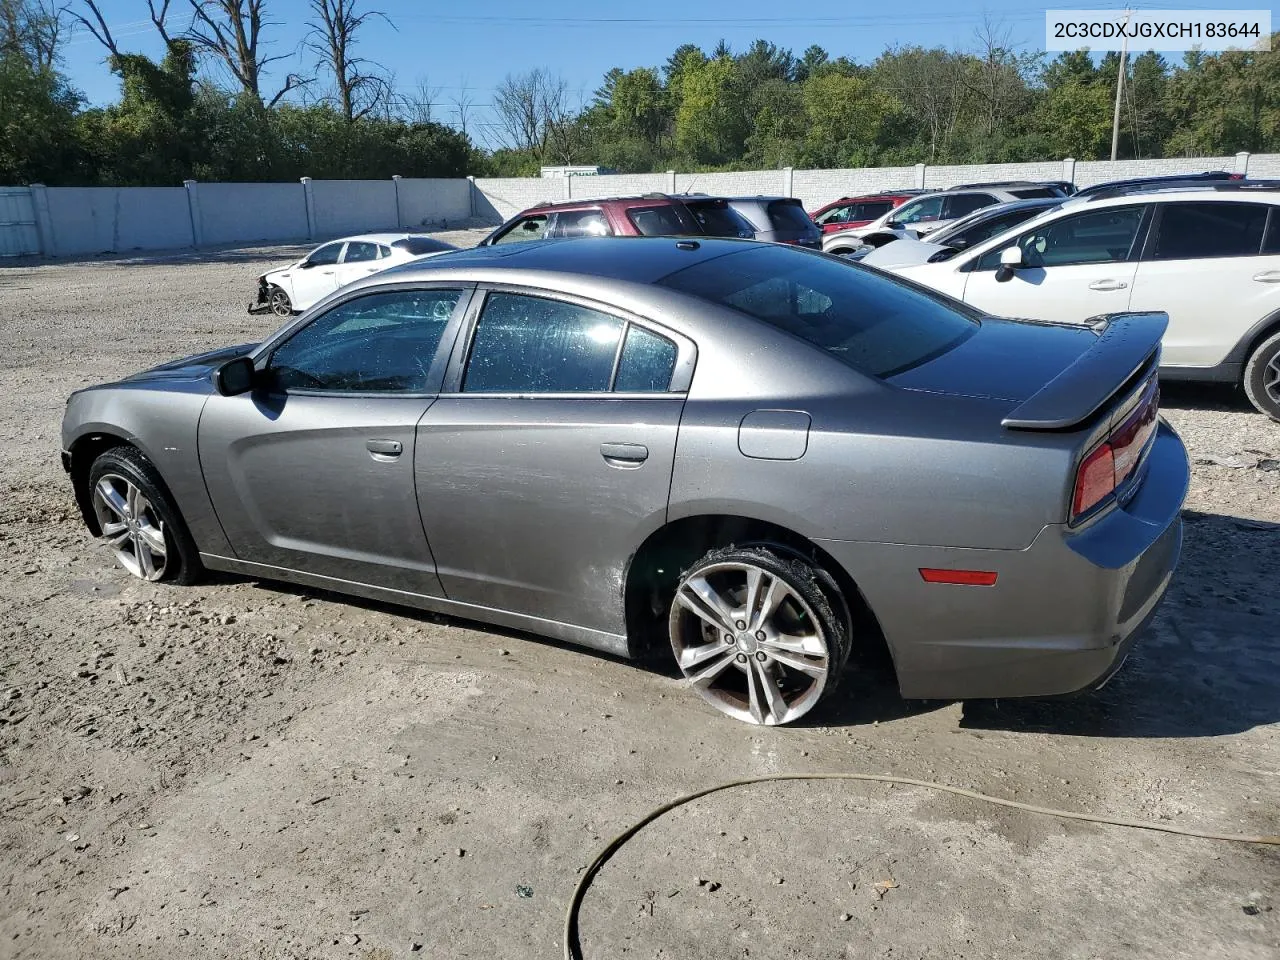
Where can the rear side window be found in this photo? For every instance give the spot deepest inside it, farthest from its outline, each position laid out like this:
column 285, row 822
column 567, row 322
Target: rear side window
column 581, row 223
column 963, row 204
column 659, row 222
column 870, row 321
column 1191, row 231
column 646, row 364
column 358, row 250
column 785, row 215
column 871, row 211
column 1272, row 243
column 383, row 252
column 532, row 345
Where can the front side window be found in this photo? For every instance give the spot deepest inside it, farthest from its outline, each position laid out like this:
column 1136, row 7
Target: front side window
column 525, row 344
column 872, row 210
column 917, row 211
column 383, row 343
column 1190, row 231
column 991, row 227
column 359, row 251
column 326, row 255
column 875, row 323
column 836, row 215
column 1103, row 236
column 530, row 228
column 581, row 223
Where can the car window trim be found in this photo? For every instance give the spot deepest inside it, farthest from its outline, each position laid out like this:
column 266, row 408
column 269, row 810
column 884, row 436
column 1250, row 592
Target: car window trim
column 1136, row 247
column 681, row 374
column 261, row 357
column 1148, row 254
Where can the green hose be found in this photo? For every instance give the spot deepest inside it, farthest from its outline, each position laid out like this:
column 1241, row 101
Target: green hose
column 573, row 949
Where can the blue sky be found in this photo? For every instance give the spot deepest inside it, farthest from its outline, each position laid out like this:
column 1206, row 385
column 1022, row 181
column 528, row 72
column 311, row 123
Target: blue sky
column 447, row 48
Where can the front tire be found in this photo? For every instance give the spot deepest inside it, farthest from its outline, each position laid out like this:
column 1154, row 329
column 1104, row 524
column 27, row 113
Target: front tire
column 1262, row 377
column 279, row 302
column 756, row 634
column 138, row 521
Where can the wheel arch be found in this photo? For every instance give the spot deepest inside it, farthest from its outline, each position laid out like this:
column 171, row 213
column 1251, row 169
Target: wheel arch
column 87, row 448
column 655, row 568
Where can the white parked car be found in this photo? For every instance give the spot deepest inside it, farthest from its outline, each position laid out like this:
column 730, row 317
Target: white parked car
column 933, row 211
column 300, row 285
column 1209, row 256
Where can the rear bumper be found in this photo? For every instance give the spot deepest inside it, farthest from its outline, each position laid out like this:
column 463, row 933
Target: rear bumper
column 1063, row 613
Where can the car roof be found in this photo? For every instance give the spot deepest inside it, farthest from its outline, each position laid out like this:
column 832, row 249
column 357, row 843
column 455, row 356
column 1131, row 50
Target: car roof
column 648, row 198
column 643, row 260
column 387, row 238
column 1232, row 190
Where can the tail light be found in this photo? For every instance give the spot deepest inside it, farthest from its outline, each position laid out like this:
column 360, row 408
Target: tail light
column 1109, row 464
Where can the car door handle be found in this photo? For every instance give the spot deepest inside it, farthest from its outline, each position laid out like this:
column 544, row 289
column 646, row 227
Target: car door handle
column 384, row 449
column 1108, row 285
column 624, row 454
column 1268, row 276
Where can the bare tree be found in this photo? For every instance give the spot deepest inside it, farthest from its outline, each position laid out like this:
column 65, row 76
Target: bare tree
column 32, row 29
column 417, row 106
column 463, row 103
column 997, row 79
column 97, row 27
column 362, row 86
column 230, row 32
column 534, row 114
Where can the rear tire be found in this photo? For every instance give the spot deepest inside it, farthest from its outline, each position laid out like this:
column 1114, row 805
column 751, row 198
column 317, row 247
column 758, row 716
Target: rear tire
column 138, row 520
column 760, row 634
column 1262, row 377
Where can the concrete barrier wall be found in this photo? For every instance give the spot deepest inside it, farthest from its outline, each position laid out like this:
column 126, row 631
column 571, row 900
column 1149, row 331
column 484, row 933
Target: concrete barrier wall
column 72, row 221
column 433, row 202
column 250, row 212
column 352, row 206
column 116, row 219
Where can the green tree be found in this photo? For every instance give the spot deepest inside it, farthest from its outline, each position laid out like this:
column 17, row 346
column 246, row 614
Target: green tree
column 844, row 118
column 709, row 123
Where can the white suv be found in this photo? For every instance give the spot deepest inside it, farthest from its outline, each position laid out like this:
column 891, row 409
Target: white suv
column 933, row 211
column 1208, row 256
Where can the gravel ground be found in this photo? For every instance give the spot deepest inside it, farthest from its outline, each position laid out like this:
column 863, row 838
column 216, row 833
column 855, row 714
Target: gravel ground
column 244, row 769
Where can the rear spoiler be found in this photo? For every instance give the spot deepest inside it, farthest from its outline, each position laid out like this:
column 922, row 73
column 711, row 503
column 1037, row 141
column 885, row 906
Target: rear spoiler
column 1126, row 343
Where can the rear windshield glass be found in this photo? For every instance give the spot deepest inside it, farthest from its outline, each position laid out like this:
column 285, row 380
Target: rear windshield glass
column 421, row 245
column 785, row 215
column 1034, row 193
column 720, row 220
column 876, row 324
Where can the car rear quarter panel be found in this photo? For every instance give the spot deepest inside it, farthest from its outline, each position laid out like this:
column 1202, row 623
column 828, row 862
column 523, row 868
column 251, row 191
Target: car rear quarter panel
column 160, row 420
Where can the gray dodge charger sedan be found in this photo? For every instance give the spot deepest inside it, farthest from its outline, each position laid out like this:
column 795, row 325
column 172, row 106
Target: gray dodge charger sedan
column 757, row 457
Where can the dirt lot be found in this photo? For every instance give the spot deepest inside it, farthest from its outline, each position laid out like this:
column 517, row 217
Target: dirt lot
column 251, row 770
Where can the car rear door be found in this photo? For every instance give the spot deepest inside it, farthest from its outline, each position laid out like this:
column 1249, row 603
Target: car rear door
column 547, row 460
column 1076, row 266
column 1205, row 265
column 313, row 470
column 360, row 259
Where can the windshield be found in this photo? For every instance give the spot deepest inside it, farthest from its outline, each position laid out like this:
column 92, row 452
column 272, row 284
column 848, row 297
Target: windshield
column 877, row 324
column 986, row 223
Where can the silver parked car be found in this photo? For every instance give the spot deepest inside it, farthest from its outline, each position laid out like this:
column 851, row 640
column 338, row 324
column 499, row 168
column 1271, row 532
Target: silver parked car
column 758, row 457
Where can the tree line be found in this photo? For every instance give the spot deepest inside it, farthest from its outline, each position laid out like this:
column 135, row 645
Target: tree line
column 205, row 110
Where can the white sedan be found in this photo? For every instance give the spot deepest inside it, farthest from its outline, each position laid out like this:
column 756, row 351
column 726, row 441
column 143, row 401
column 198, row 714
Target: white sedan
column 300, row 285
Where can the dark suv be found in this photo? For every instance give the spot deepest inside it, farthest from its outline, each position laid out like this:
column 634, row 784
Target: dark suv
column 653, row 215
column 779, row 220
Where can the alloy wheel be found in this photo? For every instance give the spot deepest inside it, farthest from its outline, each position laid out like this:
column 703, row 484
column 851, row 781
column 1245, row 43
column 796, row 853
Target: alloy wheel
column 130, row 526
column 280, row 303
column 1271, row 378
column 749, row 643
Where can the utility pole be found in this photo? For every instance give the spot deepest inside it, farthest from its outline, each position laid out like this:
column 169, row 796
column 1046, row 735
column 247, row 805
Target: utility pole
column 1115, row 119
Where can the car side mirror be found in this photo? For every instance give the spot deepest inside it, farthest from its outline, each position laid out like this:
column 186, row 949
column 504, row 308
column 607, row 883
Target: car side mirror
column 305, row 265
column 234, row 377
column 893, row 225
column 1010, row 260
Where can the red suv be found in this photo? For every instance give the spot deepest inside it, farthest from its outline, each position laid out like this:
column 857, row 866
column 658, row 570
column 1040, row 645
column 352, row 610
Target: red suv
column 849, row 212
column 653, row 215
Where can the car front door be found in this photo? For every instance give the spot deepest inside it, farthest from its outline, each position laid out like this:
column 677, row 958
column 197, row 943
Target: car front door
column 1074, row 267
column 547, row 460
column 317, row 276
column 313, row 469
column 1205, row 265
